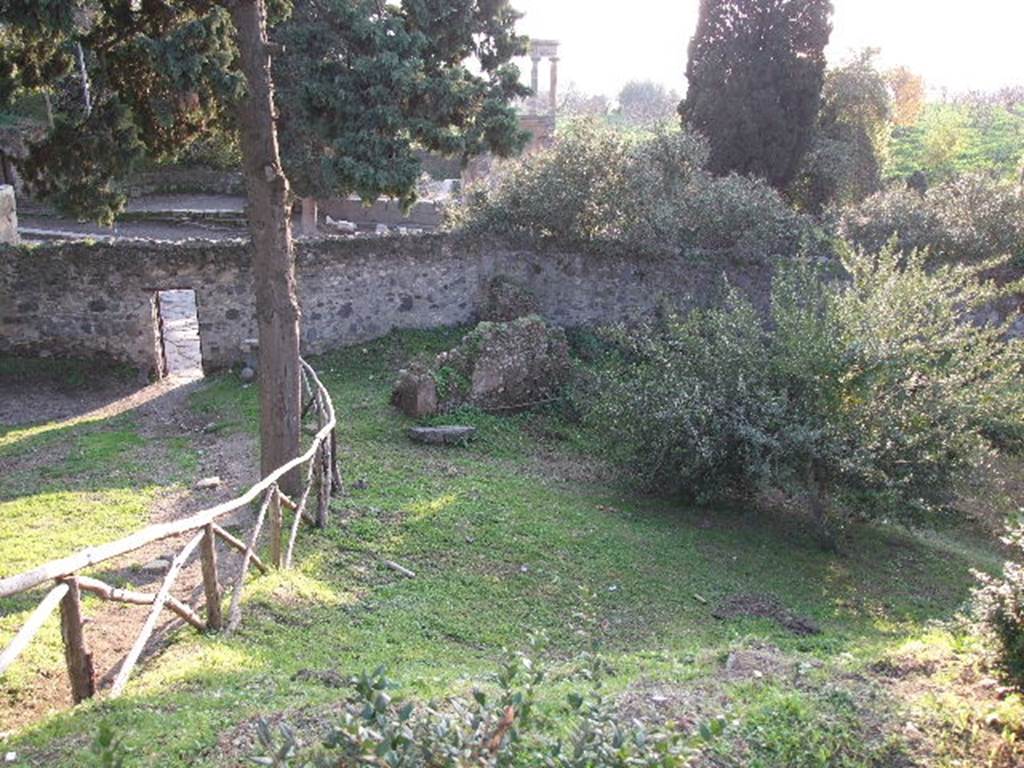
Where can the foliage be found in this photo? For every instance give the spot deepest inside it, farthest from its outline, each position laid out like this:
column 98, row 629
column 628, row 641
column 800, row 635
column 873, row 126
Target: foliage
column 571, row 188
column 797, row 729
column 999, row 607
column 755, row 73
column 574, row 103
column 363, row 85
column 969, row 218
column 106, row 749
column 908, row 95
column 75, row 167
column 485, row 731
column 644, row 102
column 156, row 80
column 976, row 136
column 878, row 390
column 597, row 185
column 850, row 141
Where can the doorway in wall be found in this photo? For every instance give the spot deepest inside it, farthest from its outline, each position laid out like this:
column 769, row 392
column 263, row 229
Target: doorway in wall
column 178, row 326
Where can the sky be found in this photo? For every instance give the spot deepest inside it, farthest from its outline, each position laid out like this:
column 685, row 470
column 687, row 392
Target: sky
column 955, row 44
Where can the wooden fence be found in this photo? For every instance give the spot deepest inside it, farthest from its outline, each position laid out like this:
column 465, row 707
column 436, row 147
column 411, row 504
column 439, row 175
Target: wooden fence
column 68, row 583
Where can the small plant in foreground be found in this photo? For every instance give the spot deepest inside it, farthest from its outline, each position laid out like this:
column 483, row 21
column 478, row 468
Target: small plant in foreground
column 106, row 749
column 485, row 731
column 999, row 607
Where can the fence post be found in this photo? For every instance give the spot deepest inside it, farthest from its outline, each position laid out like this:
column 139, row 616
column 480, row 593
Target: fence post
column 323, row 507
column 276, row 526
column 77, row 656
column 336, row 486
column 208, row 552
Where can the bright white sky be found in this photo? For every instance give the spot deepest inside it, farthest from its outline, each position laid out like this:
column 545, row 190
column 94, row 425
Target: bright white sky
column 954, row 44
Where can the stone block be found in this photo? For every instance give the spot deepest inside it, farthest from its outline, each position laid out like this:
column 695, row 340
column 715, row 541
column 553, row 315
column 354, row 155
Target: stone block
column 8, row 216
column 446, row 435
column 415, row 393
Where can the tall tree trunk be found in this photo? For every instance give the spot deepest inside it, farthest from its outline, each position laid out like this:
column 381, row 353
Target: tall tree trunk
column 277, row 306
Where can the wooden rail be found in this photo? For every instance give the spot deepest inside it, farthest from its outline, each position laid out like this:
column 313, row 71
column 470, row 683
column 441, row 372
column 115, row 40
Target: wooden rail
column 67, row 583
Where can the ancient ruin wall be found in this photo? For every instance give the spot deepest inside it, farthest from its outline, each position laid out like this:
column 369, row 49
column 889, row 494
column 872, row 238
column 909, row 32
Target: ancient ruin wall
column 97, row 299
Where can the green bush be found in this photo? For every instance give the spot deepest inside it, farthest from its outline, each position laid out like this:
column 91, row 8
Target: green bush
column 486, row 731
column 999, row 607
column 871, row 394
column 647, row 191
column 970, row 218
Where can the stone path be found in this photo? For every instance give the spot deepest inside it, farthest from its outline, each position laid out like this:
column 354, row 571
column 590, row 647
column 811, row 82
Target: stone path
column 179, row 325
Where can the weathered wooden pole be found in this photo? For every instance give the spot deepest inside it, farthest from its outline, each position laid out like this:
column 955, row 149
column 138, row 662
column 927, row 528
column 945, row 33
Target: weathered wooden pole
column 276, row 528
column 208, row 553
column 76, row 654
column 323, row 507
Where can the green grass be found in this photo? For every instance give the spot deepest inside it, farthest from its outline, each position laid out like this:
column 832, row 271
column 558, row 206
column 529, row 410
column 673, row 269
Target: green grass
column 510, row 536
column 72, row 484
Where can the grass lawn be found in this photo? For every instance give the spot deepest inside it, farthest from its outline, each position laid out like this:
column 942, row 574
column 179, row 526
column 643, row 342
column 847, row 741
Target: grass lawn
column 516, row 535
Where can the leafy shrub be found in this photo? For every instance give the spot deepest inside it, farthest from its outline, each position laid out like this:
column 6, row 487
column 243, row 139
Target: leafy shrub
column 970, row 218
column 106, row 750
column 999, row 607
column 566, row 190
column 647, row 191
column 875, row 389
column 485, row 731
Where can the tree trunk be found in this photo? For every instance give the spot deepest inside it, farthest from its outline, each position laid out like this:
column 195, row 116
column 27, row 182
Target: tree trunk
column 277, row 307
column 309, row 216
column 818, row 501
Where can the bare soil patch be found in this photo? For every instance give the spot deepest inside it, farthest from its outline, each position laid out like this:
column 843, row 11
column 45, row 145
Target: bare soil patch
column 764, row 606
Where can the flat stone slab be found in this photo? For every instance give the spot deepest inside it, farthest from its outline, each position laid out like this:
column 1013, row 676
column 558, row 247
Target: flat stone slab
column 449, row 435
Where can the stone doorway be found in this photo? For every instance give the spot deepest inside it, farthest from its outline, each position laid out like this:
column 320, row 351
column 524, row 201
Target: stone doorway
column 178, row 327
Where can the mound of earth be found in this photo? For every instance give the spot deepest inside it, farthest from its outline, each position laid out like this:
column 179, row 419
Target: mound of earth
column 764, row 606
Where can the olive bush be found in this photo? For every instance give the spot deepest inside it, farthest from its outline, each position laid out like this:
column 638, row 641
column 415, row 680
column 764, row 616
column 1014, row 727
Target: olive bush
column 487, row 731
column 969, row 218
column 999, row 607
column 870, row 394
column 648, row 191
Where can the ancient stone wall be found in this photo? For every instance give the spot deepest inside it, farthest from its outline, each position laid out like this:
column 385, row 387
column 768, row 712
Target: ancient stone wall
column 98, row 299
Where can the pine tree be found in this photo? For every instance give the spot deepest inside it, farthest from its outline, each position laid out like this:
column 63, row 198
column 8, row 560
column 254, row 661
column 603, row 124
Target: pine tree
column 755, row 73
column 362, row 85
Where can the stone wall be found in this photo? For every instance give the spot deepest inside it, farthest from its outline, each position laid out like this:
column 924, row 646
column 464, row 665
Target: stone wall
column 97, row 299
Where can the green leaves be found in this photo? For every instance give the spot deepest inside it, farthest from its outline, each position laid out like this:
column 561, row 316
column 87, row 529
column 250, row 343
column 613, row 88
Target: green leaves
column 363, row 86
column 74, row 166
column 486, row 733
column 877, row 395
column 755, row 72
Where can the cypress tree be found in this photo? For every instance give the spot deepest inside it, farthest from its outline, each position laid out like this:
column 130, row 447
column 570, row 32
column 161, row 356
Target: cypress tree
column 755, row 73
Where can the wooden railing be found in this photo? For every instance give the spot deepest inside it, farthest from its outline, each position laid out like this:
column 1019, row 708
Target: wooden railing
column 69, row 583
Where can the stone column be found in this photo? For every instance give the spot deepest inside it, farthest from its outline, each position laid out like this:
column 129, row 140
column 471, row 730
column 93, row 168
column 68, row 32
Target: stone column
column 553, row 92
column 8, row 216
column 535, row 75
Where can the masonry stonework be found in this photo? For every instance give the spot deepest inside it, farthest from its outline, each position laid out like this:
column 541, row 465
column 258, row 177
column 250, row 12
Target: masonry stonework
column 97, row 299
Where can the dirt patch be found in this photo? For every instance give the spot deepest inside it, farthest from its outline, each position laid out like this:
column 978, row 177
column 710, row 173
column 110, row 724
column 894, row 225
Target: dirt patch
column 764, row 606
column 954, row 712
column 311, row 724
column 685, row 706
column 758, row 662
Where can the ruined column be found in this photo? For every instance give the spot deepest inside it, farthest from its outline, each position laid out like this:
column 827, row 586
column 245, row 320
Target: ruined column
column 535, row 75
column 553, row 92
column 8, row 216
